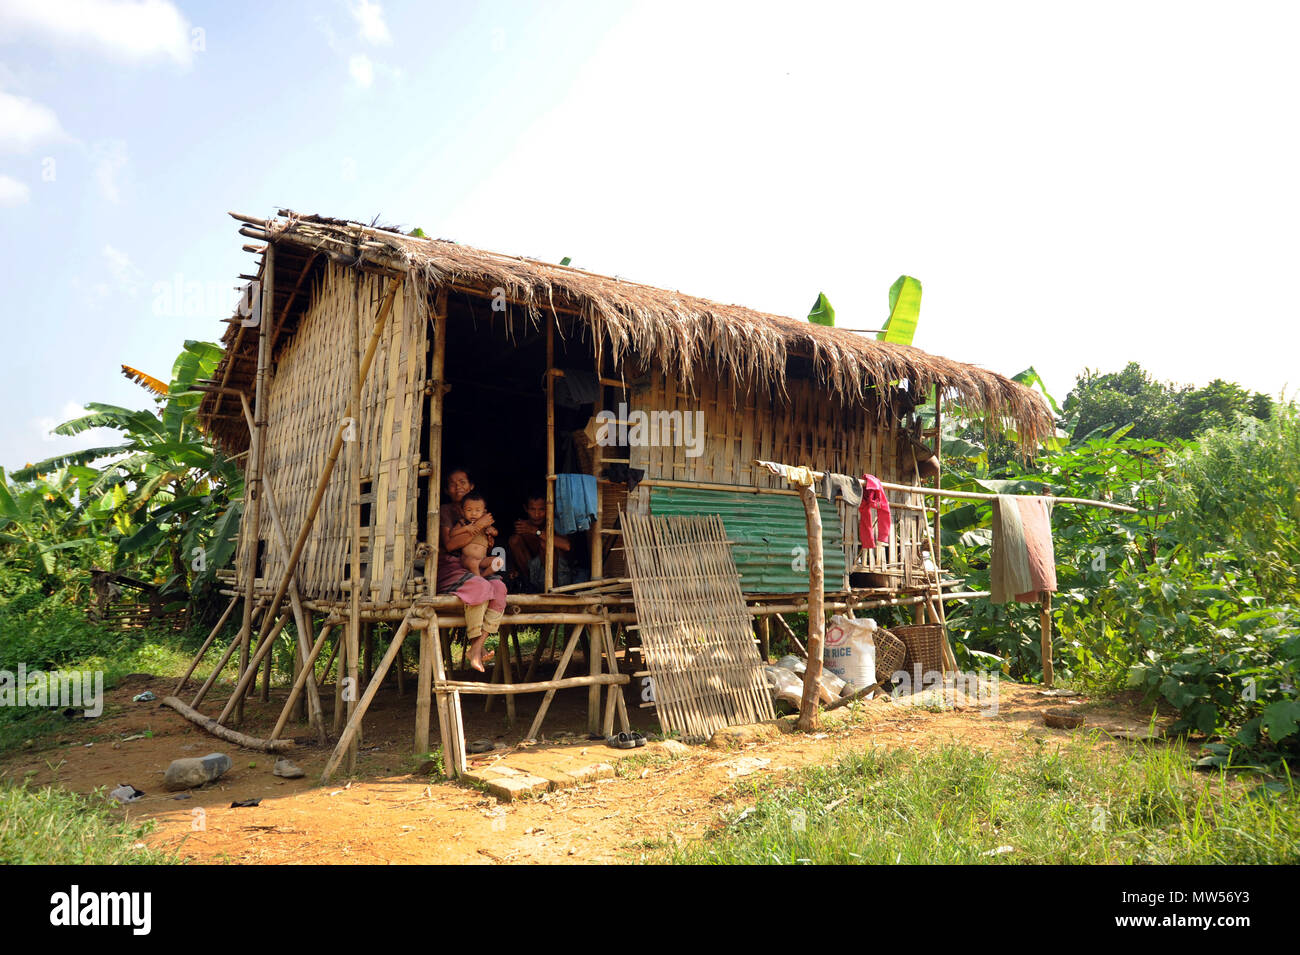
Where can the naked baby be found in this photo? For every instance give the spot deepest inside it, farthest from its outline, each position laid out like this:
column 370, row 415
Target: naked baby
column 474, row 555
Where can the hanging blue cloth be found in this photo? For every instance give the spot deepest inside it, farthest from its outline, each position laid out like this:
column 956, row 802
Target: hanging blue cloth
column 575, row 502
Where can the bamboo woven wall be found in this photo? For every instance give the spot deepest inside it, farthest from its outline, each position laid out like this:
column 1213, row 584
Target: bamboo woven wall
column 306, row 398
column 804, row 426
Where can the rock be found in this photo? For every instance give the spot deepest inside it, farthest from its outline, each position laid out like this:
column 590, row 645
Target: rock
column 189, row 772
column 287, row 770
column 480, row 746
column 668, row 747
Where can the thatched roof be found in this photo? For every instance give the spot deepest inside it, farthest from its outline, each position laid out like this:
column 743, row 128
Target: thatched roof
column 690, row 336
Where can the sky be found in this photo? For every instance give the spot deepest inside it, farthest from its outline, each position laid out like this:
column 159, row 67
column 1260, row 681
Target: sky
column 1076, row 185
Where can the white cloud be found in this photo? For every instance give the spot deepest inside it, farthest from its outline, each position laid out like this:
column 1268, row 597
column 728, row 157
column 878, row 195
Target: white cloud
column 123, row 270
column 108, row 158
column 134, row 30
column 361, row 69
column 12, row 192
column 370, row 22
column 24, row 123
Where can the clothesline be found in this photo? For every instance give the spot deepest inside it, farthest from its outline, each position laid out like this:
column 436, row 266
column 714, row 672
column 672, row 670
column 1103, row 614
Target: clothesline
column 976, row 496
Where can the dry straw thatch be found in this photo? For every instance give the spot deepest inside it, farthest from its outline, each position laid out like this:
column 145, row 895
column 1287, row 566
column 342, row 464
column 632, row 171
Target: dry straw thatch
column 690, row 336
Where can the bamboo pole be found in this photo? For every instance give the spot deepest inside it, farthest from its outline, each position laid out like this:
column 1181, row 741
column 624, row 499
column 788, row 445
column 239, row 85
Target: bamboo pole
column 559, row 675
column 816, row 613
column 252, row 540
column 354, row 509
column 424, row 686
column 549, row 563
column 225, row 616
column 268, row 641
column 302, row 623
column 260, row 612
column 330, row 461
column 432, row 525
column 347, row 740
column 1045, row 623
column 510, row 689
column 305, row 678
column 973, row 496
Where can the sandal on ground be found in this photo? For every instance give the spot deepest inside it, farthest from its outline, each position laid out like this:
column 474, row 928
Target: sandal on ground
column 622, row 741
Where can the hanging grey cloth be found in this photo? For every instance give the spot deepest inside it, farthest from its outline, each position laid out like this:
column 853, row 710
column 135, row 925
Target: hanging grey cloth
column 847, row 486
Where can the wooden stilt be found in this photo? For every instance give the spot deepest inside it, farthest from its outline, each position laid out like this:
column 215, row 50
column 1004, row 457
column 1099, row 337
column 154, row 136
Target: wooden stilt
column 253, row 489
column 816, row 612
column 225, row 616
column 549, row 562
column 302, row 621
column 354, row 507
column 503, row 654
column 268, row 641
column 221, row 664
column 347, row 740
column 559, row 675
column 594, row 651
column 544, row 636
column 429, row 636
column 338, row 639
column 304, row 678
column 1045, row 622
column 449, row 716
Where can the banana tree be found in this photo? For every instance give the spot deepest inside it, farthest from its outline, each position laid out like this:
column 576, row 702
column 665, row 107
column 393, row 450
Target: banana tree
column 167, row 494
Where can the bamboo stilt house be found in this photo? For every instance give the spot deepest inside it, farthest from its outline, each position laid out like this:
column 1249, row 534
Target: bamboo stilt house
column 372, row 361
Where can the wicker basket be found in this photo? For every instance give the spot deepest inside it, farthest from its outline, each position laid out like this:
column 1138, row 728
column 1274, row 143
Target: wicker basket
column 924, row 646
column 890, row 654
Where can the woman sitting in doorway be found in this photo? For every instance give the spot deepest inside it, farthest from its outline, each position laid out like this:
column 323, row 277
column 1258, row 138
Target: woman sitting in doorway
column 484, row 597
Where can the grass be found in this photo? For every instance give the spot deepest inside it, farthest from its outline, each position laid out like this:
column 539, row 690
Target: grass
column 54, row 827
column 957, row 806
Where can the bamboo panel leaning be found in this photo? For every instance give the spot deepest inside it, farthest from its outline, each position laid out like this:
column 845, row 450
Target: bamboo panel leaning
column 697, row 635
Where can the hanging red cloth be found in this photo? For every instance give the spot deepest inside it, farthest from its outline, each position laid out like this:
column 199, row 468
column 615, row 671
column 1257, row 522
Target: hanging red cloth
column 873, row 499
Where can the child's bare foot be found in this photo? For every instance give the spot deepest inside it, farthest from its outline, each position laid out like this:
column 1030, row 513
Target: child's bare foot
column 476, row 656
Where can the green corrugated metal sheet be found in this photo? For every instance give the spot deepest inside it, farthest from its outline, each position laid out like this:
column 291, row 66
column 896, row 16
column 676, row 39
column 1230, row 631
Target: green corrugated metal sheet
column 767, row 529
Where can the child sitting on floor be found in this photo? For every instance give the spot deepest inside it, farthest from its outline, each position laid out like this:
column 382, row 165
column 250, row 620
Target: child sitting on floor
column 474, row 555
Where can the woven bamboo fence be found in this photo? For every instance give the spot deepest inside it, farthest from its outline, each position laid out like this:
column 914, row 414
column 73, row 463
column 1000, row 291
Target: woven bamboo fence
column 697, row 635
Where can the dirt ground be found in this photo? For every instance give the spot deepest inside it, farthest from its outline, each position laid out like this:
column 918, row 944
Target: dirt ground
column 661, row 794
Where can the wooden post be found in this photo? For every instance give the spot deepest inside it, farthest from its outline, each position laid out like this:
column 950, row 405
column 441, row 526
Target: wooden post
column 305, row 677
column 559, row 675
column 432, row 524
column 302, row 622
column 253, row 490
column 429, row 636
column 1045, row 621
column 765, row 637
column 449, row 716
column 549, row 576
column 258, row 613
column 347, row 741
column 816, row 612
column 207, row 643
column 323, row 481
column 354, row 509
column 250, row 674
column 596, row 561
